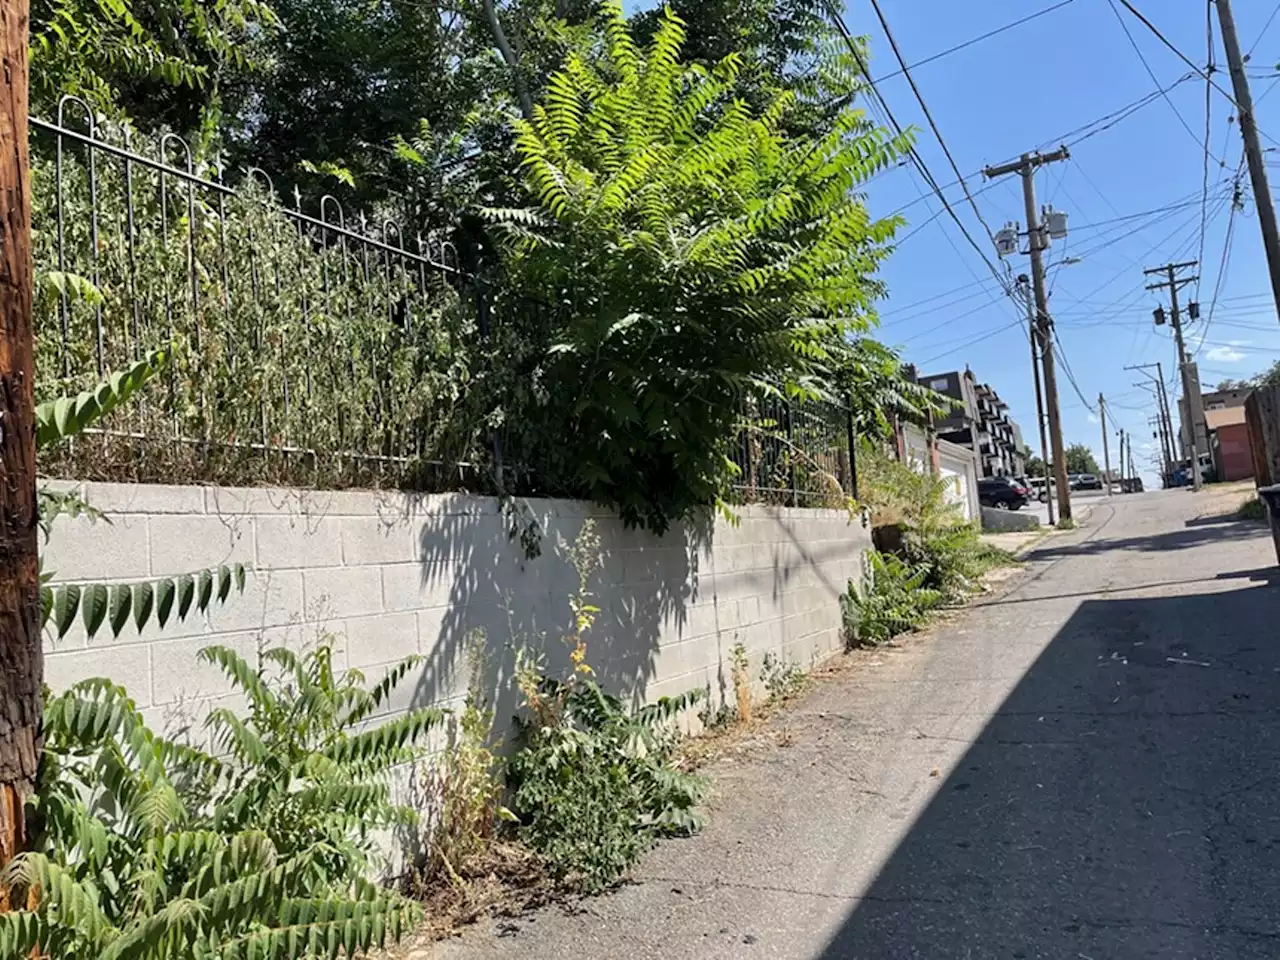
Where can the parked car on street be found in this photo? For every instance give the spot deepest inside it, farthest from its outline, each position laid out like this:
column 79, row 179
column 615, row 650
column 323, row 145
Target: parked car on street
column 1039, row 488
column 1086, row 481
column 1003, row 493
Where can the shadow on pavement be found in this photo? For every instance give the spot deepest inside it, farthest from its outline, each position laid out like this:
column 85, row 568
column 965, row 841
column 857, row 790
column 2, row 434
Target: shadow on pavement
column 1185, row 539
column 1124, row 801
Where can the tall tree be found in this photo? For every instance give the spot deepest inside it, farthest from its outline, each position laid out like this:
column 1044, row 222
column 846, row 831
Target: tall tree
column 687, row 251
column 1080, row 459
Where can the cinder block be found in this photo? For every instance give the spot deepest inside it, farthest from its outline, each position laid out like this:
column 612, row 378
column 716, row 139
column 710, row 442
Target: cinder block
column 343, row 592
column 179, row 676
column 119, row 498
column 413, row 586
column 129, row 666
column 81, row 549
column 289, row 542
column 374, row 540
column 271, row 598
column 182, row 544
column 382, row 638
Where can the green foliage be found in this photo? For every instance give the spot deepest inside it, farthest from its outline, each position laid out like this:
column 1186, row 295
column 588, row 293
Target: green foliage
column 782, row 678
column 872, row 377
column 154, row 59
column 1035, row 466
column 63, row 418
column 1066, row 523
column 1266, row 378
column 891, row 599
column 689, row 251
column 1080, row 460
column 115, row 605
column 280, row 343
column 1252, row 509
column 595, row 786
column 149, row 848
column 593, row 782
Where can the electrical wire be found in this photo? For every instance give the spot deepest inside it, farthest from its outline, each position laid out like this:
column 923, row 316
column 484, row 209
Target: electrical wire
column 928, row 115
column 1163, row 39
column 1151, row 73
column 1066, row 368
column 1237, row 201
column 851, row 43
column 968, row 43
column 1208, row 113
column 1265, row 27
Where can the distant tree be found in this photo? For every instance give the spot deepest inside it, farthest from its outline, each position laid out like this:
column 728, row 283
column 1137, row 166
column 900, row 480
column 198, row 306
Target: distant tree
column 1035, row 466
column 1080, row 459
column 1268, row 378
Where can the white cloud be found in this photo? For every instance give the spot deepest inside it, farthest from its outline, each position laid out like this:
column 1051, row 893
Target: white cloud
column 1093, row 418
column 1224, row 355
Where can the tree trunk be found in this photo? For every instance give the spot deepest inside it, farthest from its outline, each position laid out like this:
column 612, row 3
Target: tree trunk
column 509, row 56
column 21, row 656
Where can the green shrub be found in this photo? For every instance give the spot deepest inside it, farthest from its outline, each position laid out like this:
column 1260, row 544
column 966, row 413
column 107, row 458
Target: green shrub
column 782, row 678
column 596, row 786
column 1252, row 509
column 148, row 848
column 891, row 599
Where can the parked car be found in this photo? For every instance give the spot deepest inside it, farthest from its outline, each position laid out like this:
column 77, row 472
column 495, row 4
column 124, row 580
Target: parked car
column 1087, row 481
column 1039, row 488
column 1003, row 493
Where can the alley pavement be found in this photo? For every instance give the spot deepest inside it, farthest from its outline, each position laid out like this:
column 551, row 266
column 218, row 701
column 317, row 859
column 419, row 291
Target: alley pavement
column 1085, row 764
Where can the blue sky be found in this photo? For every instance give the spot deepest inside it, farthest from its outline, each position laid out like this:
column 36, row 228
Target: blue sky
column 1024, row 90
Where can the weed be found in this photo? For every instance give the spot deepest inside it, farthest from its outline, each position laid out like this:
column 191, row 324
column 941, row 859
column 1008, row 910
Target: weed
column 892, row 599
column 594, row 782
column 1252, row 509
column 782, row 678
column 741, row 667
column 1066, row 523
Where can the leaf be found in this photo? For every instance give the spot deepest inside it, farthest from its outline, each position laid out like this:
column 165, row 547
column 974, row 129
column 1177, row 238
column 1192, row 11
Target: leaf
column 94, row 606
column 121, row 603
column 66, row 602
column 166, row 592
column 224, row 583
column 205, row 592
column 143, row 603
column 186, row 593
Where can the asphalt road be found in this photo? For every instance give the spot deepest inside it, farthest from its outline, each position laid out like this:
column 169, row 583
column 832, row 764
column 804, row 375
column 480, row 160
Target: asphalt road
column 1084, row 765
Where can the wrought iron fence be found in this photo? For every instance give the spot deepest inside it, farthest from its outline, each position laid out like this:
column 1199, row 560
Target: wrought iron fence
column 798, row 453
column 307, row 346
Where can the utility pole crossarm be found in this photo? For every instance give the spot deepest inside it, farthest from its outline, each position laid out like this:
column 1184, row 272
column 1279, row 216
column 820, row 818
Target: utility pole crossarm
column 1035, row 160
column 1152, row 271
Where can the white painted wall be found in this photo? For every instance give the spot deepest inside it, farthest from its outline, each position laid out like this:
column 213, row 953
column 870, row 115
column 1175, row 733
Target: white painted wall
column 956, row 463
column 389, row 574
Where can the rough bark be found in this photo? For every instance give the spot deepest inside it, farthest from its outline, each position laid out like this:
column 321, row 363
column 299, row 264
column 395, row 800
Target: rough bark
column 21, row 656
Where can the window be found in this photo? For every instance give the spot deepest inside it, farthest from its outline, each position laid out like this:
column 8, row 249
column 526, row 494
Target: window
column 939, row 385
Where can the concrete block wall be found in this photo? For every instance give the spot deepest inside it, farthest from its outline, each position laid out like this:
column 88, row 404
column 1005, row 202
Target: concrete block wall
column 386, row 575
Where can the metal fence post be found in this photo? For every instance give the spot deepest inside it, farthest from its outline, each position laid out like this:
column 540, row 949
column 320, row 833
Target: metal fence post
column 791, row 455
column 853, row 443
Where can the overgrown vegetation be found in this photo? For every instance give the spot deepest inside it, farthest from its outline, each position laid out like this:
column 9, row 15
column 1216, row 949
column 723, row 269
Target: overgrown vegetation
column 1252, row 509
column 594, row 782
column 263, row 847
column 936, row 559
column 782, row 677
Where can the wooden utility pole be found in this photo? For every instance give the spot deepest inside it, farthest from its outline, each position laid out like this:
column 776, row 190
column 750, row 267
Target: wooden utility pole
column 1106, row 448
column 1026, row 167
column 21, row 656
column 1121, row 464
column 1174, row 283
column 1024, row 285
column 1252, row 151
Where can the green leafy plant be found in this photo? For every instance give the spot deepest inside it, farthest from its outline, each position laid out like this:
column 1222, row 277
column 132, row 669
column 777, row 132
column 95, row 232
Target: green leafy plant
column 1066, row 523
column 891, row 599
column 782, row 678
column 150, row 848
column 594, row 782
column 685, row 251
column 1252, row 509
column 595, row 788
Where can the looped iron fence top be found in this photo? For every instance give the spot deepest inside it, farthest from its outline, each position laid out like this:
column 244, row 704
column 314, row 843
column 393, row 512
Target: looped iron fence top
column 214, row 186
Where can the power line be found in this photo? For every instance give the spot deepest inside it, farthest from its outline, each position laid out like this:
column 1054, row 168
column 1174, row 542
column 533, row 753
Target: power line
column 1236, row 203
column 851, row 43
column 1208, row 112
column 1163, row 39
column 1151, row 73
column 1265, row 27
column 928, row 115
column 969, row 43
column 1062, row 355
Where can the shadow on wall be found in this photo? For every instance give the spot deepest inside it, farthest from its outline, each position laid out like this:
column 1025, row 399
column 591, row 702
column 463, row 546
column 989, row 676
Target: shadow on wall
column 488, row 581
column 1121, row 802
